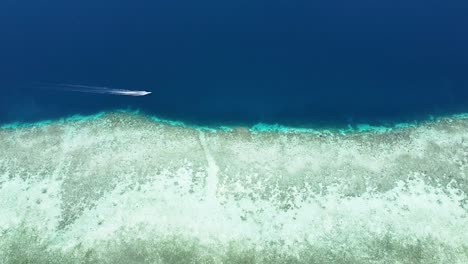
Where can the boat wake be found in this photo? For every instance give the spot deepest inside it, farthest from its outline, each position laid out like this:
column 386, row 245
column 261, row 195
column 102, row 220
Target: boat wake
column 93, row 89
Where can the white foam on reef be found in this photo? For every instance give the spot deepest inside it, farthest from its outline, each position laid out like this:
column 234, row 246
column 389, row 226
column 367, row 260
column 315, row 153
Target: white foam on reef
column 123, row 188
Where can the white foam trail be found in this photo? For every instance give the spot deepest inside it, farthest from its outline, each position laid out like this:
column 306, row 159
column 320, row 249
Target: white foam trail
column 98, row 89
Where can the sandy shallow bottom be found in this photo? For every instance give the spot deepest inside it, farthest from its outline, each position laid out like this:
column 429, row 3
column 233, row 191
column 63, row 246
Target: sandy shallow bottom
column 124, row 188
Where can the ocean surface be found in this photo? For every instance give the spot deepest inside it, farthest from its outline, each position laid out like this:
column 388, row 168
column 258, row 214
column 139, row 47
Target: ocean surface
column 275, row 132
column 307, row 63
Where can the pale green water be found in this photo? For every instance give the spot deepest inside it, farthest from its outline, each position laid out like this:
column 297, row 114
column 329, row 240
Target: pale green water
column 123, row 188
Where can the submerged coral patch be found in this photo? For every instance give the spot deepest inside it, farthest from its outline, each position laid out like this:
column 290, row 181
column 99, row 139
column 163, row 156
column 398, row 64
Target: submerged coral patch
column 125, row 188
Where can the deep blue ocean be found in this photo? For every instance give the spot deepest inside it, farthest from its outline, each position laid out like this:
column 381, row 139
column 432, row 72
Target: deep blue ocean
column 237, row 62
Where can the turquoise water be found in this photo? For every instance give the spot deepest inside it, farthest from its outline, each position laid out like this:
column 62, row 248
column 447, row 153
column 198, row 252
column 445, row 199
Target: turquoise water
column 122, row 187
column 276, row 131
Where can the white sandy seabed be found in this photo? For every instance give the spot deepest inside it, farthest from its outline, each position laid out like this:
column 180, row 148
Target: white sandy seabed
column 124, row 188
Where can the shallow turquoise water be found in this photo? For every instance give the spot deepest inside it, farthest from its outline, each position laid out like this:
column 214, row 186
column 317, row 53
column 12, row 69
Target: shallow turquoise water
column 278, row 136
column 125, row 188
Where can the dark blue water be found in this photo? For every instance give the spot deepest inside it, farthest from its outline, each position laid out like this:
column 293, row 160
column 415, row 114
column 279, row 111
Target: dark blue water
column 243, row 61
